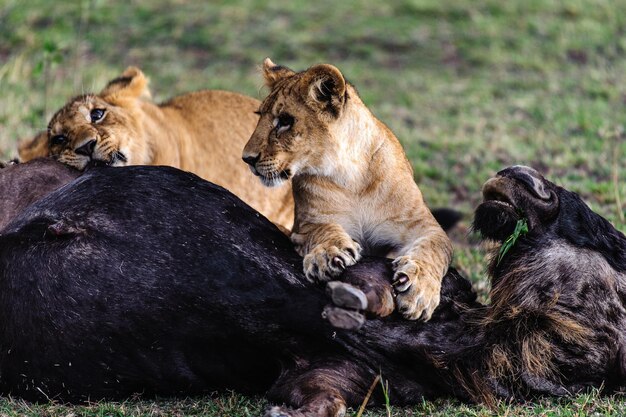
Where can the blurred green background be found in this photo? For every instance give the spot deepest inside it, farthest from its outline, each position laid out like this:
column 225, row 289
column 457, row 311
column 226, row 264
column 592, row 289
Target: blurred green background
column 469, row 87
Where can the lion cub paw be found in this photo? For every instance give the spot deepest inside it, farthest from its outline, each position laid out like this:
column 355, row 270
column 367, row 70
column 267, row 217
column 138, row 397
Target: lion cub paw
column 418, row 292
column 324, row 263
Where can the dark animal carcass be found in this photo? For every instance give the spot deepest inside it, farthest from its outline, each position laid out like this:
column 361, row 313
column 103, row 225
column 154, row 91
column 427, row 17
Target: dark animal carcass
column 23, row 184
column 151, row 280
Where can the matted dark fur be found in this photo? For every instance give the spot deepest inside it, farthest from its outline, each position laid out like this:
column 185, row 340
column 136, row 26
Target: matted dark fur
column 150, row 280
column 23, row 184
column 556, row 324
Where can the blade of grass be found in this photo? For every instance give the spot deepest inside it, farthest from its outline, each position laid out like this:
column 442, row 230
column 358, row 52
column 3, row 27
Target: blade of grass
column 367, row 396
column 521, row 228
column 385, row 387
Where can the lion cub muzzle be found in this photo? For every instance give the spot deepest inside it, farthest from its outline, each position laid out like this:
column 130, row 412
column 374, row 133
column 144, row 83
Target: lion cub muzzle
column 87, row 148
column 251, row 160
column 269, row 171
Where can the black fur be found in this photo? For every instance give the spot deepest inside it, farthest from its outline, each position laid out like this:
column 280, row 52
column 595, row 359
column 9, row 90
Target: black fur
column 151, row 280
column 557, row 315
column 23, row 184
column 446, row 217
column 123, row 81
column 586, row 229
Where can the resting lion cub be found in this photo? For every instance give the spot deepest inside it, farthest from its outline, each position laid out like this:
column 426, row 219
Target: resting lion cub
column 353, row 185
column 202, row 132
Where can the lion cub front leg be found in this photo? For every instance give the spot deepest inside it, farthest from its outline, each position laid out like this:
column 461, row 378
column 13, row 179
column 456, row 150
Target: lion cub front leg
column 327, row 250
column 418, row 275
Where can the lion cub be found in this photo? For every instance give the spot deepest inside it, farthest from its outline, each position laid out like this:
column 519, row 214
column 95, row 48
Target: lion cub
column 202, row 132
column 353, row 185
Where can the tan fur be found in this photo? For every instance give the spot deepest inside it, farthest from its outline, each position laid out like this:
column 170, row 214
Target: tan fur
column 33, row 148
column 353, row 185
column 202, row 132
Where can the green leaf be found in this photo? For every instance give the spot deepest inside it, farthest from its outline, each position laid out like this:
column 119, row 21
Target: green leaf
column 521, row 228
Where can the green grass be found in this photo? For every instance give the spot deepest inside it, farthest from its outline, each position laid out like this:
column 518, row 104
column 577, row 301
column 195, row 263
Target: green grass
column 469, row 87
column 235, row 405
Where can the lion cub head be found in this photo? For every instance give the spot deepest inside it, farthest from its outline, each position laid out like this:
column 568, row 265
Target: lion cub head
column 296, row 129
column 102, row 128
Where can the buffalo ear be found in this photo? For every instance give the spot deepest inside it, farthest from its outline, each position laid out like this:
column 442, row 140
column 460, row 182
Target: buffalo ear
column 32, row 148
column 132, row 84
column 325, row 88
column 273, row 73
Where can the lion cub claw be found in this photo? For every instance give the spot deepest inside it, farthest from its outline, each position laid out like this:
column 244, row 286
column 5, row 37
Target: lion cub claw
column 324, row 263
column 418, row 294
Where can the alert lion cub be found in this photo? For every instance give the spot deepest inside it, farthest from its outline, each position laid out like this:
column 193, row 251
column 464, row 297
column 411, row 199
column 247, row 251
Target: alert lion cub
column 202, row 132
column 353, row 185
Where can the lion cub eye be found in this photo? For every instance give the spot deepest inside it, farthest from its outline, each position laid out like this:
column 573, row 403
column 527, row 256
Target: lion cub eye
column 96, row 114
column 58, row 140
column 283, row 122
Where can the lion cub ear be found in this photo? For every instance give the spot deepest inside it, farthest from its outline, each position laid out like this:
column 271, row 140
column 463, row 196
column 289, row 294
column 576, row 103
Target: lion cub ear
column 325, row 88
column 274, row 73
column 132, row 84
column 32, row 148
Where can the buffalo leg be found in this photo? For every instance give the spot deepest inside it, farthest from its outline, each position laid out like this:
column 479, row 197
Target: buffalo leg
column 320, row 390
column 363, row 287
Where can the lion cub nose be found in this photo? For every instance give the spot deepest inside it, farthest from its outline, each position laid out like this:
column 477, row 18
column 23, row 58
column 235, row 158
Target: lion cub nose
column 87, row 148
column 251, row 160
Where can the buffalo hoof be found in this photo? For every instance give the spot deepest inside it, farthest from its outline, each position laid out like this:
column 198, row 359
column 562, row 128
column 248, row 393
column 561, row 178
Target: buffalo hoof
column 343, row 319
column 346, row 295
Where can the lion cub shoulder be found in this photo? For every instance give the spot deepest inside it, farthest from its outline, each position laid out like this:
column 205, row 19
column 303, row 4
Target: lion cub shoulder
column 202, row 132
column 353, row 185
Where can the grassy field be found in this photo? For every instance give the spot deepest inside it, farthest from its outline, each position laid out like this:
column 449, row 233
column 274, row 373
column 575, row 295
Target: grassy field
column 469, row 87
